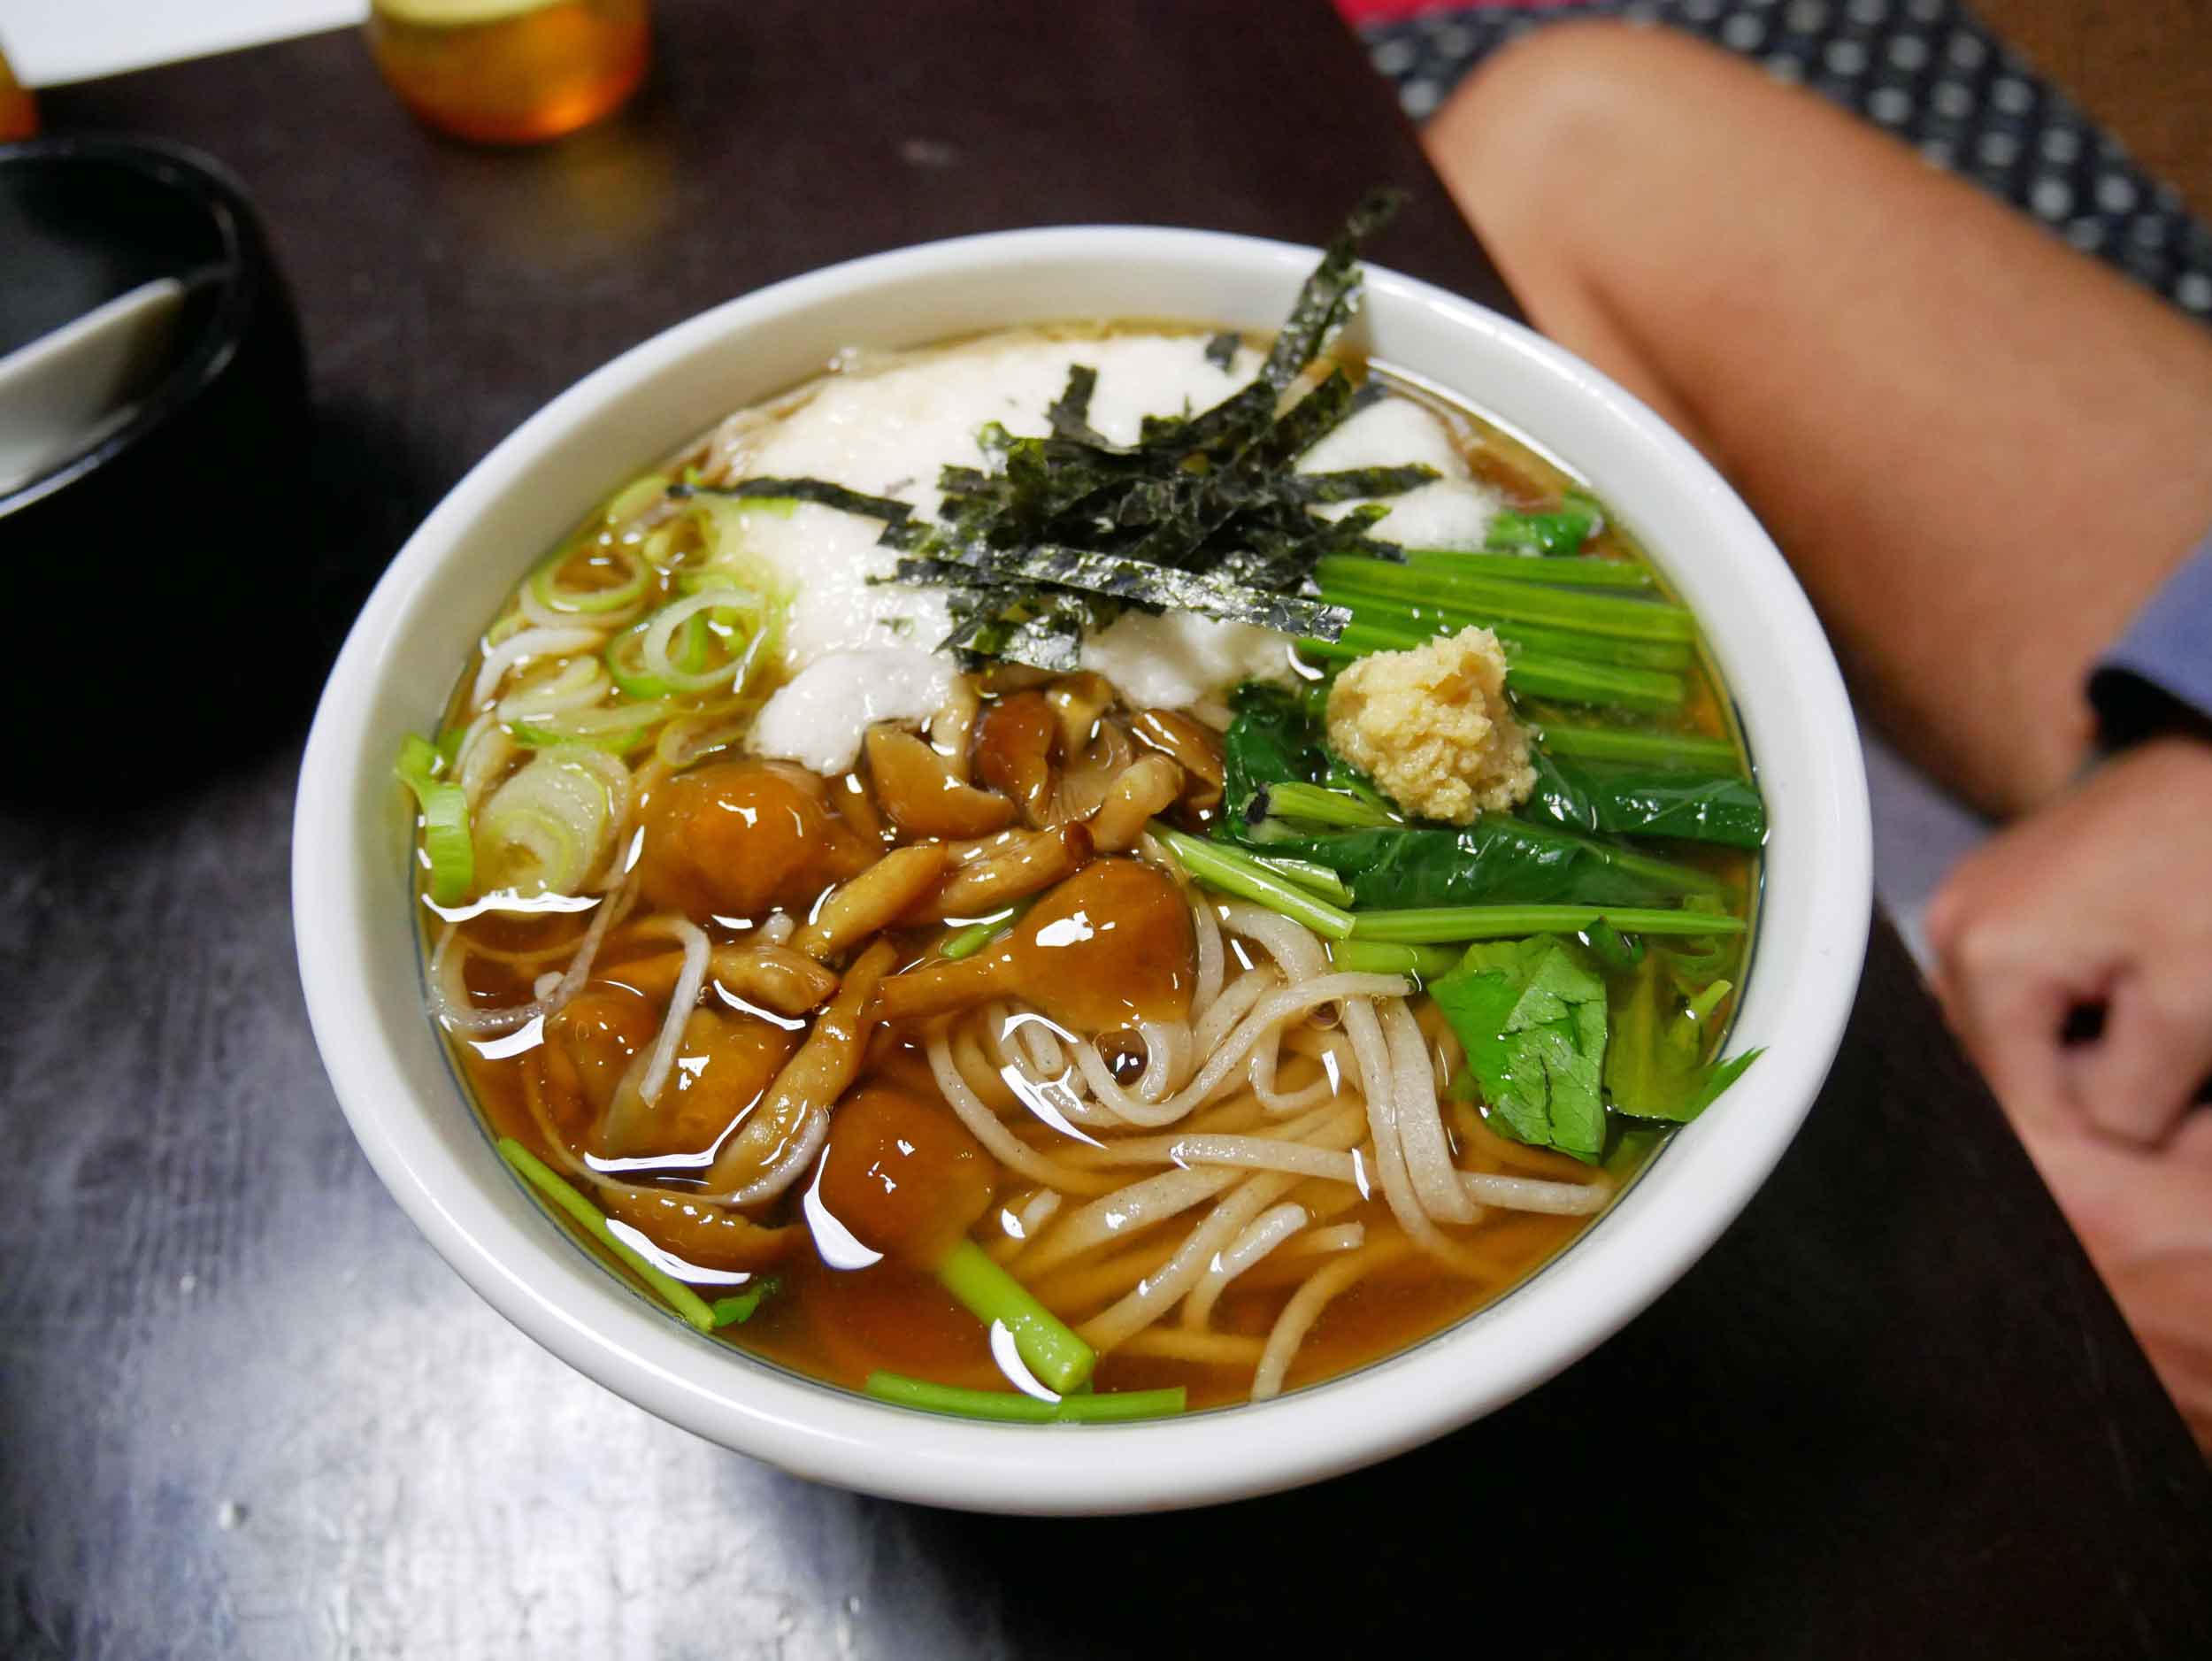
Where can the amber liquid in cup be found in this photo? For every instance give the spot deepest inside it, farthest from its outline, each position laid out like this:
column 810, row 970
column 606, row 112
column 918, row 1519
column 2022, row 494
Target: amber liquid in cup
column 510, row 71
column 19, row 115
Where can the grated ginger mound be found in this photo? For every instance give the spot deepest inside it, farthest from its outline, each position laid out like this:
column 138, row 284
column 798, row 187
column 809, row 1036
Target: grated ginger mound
column 1432, row 728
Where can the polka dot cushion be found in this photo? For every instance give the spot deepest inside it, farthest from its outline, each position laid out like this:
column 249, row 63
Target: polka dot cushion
column 1924, row 69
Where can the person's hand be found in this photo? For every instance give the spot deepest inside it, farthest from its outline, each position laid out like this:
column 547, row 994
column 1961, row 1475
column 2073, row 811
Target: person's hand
column 2100, row 901
column 2103, row 901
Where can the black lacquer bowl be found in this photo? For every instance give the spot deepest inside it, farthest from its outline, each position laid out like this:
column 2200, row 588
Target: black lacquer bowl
column 154, row 563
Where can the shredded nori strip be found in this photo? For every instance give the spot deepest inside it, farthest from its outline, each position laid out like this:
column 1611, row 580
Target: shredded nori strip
column 1070, row 416
column 1057, row 536
column 1356, row 484
column 888, row 509
column 1115, row 578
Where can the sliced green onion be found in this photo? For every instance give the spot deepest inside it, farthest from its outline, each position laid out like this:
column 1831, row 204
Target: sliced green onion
column 1008, row 1407
column 446, row 838
column 545, row 585
column 1609, row 744
column 1245, row 876
column 1045, row 1343
column 1310, row 876
column 1575, row 571
column 620, row 727
column 1294, row 800
column 1438, row 924
column 626, row 659
column 740, row 614
column 680, row 1298
column 544, row 829
column 1375, row 956
column 633, row 499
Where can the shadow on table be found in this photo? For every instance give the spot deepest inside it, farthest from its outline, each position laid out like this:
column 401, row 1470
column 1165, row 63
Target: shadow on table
column 133, row 739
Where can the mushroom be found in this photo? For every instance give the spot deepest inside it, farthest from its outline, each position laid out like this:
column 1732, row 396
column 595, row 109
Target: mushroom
column 873, row 900
column 1014, row 743
column 1143, row 788
column 917, row 787
column 1192, row 745
column 812, row 1080
column 1111, row 945
column 1024, row 866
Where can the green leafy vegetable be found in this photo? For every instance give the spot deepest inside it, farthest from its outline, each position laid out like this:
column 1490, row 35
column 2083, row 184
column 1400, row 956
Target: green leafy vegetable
column 1626, row 801
column 1559, row 533
column 1497, row 860
column 738, row 1309
column 1657, row 1068
column 1272, row 738
column 1531, row 1015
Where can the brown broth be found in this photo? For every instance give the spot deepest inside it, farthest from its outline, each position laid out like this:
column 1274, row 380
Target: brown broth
column 839, row 1324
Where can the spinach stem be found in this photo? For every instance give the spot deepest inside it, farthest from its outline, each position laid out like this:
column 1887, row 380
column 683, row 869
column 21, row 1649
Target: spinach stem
column 1607, row 743
column 1624, row 616
column 1440, row 924
column 1248, row 877
column 1010, row 1407
column 1574, row 571
column 541, row 1176
column 1046, row 1343
column 1375, row 956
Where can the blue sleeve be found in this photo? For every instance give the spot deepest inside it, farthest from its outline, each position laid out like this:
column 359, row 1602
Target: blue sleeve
column 2162, row 665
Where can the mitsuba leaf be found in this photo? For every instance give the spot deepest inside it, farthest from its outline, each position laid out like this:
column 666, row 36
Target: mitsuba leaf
column 1531, row 1015
column 1655, row 1068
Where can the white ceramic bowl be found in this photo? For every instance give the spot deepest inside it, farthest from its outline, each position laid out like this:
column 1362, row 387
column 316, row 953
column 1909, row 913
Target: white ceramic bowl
column 358, row 956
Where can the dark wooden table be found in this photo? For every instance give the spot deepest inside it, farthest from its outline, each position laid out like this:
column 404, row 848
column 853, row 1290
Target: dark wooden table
column 245, row 1411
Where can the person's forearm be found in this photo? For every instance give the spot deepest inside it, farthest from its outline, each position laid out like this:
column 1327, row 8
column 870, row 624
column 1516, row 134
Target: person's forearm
column 1981, row 450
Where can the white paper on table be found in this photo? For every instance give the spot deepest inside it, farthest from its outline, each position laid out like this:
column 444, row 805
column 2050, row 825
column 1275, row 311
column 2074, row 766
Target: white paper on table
column 49, row 41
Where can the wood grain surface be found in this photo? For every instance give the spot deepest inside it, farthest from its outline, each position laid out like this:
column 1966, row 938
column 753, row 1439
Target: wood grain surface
column 245, row 1410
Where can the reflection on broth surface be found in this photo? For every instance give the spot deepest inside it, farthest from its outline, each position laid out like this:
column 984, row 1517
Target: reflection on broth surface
column 1084, row 1027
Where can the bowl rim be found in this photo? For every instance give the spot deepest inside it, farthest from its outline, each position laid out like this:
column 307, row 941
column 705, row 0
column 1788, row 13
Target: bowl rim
column 1609, row 1274
column 236, row 275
